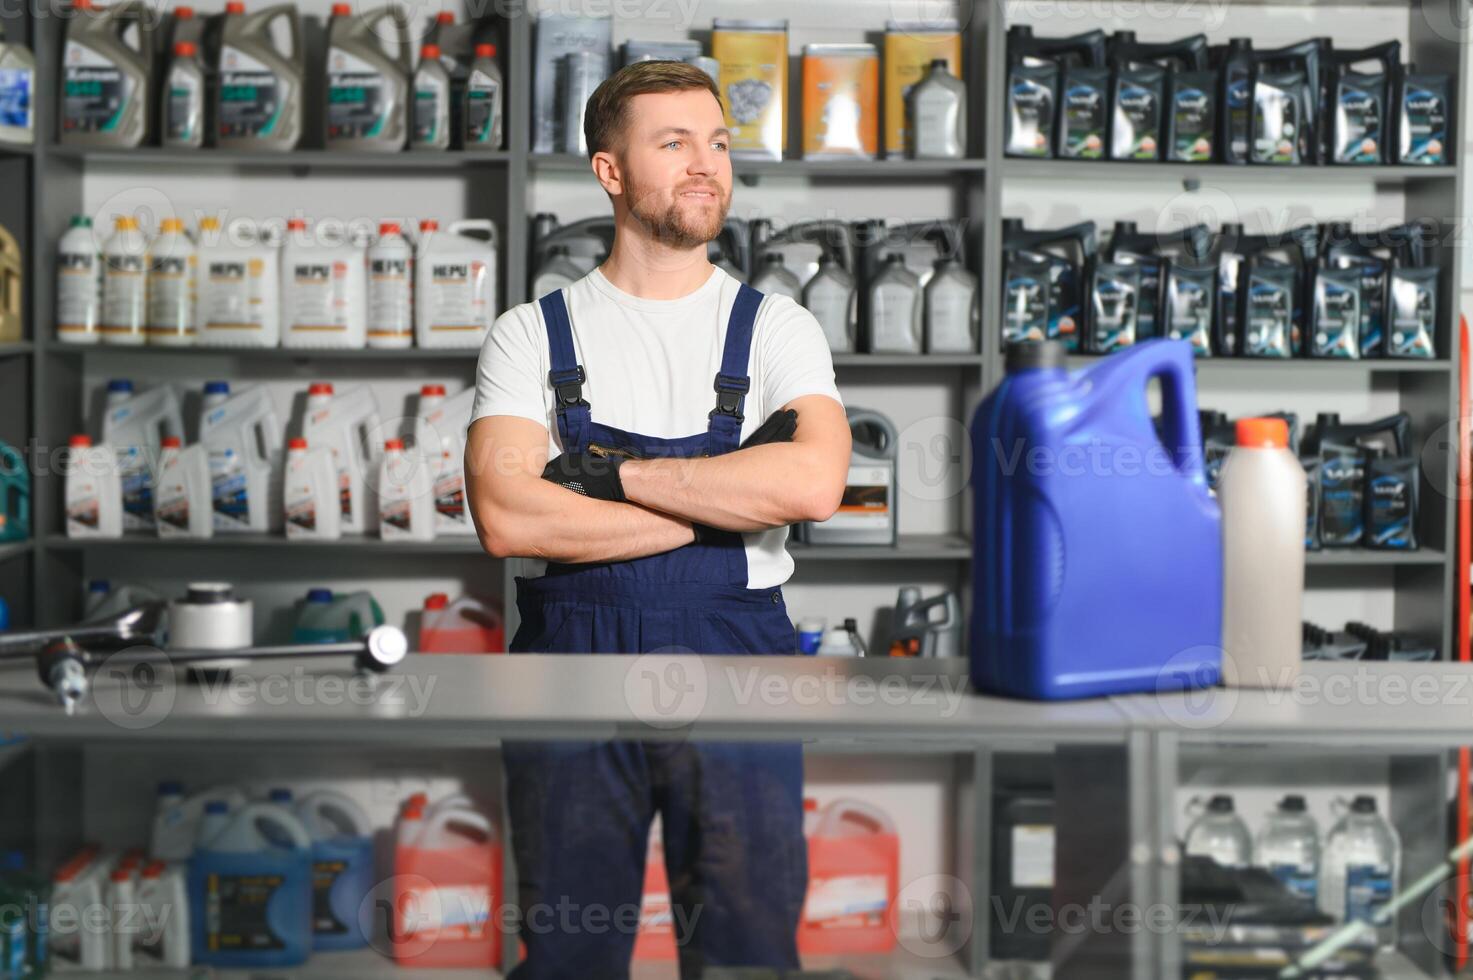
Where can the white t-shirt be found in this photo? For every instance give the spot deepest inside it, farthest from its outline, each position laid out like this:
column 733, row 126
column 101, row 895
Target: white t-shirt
column 651, row 367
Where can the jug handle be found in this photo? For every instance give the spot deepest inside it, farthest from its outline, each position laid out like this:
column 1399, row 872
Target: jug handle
column 1183, row 432
column 294, row 19
column 853, row 811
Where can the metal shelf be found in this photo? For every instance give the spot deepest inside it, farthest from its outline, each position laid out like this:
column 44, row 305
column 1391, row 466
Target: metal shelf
column 907, row 360
column 17, row 149
column 912, row 547
column 16, row 549
column 466, row 354
column 21, row 348
column 301, row 158
column 744, row 167
column 1308, row 178
column 1231, row 366
column 1351, row 557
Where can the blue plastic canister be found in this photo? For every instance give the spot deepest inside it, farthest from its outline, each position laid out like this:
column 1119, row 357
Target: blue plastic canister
column 1098, row 546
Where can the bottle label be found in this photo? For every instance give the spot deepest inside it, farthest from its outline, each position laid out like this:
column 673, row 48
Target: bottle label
column 173, row 501
column 1358, row 119
column 15, row 97
column 171, row 295
column 431, row 95
column 482, row 110
column 360, row 100
column 237, row 911
column 458, row 296
column 1084, row 122
column 325, row 921
column 228, row 491
column 1137, row 123
column 450, row 495
column 124, row 293
column 77, row 292
column 319, row 298
column 137, row 483
column 1423, row 126
column 1191, row 125
column 234, row 294
column 185, row 107
column 96, row 93
column 252, row 99
column 1367, row 891
column 1030, row 116
column 893, row 309
column 1189, row 312
column 1269, row 320
column 388, row 297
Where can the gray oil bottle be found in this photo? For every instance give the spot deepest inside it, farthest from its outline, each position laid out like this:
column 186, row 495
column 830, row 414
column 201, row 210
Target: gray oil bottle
column 776, row 277
column 182, row 100
column 557, row 271
column 430, row 112
column 17, row 91
column 484, row 99
column 1422, row 113
column 259, row 98
column 895, row 309
column 105, row 80
column 951, row 311
column 831, row 297
column 937, row 106
column 1360, row 104
column 367, row 86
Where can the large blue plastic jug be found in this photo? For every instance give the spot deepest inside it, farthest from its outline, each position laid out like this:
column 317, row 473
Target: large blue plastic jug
column 1098, row 546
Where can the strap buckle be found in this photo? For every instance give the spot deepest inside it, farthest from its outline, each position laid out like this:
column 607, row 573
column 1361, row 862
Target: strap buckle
column 568, row 387
column 730, row 389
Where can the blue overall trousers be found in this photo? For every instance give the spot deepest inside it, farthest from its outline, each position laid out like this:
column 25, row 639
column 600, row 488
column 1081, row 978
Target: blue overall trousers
column 732, row 814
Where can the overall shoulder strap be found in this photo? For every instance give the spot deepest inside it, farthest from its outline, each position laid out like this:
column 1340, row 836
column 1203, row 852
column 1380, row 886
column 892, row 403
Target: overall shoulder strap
column 732, row 381
column 574, row 418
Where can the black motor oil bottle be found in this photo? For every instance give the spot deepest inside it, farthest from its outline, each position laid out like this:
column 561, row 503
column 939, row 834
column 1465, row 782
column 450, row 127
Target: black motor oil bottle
column 1137, row 93
column 1219, row 435
column 1285, row 87
column 1234, row 65
column 1311, row 466
column 1067, row 252
column 1113, row 318
column 1265, row 294
column 1423, row 112
column 1392, row 435
column 1392, row 488
column 1335, row 316
column 1341, row 248
column 1025, row 309
column 1411, row 293
column 1133, row 247
column 1084, row 95
column 1227, row 247
column 1359, row 103
column 1033, row 88
column 1342, row 494
column 1189, row 292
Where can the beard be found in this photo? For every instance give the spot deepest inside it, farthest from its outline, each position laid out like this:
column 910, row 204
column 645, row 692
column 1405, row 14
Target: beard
column 676, row 226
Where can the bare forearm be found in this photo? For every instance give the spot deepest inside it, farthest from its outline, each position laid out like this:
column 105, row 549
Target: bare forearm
column 749, row 490
column 548, row 522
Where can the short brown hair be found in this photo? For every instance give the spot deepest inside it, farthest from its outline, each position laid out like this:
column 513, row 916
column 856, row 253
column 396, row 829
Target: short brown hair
column 608, row 107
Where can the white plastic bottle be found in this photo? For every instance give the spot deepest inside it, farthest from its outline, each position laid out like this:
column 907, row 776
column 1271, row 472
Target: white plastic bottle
column 178, row 820
column 94, row 494
column 1362, row 867
column 455, row 284
column 122, row 917
column 429, row 115
column 1288, row 846
column 1262, row 494
column 310, row 494
column 243, row 438
column 406, row 506
column 390, row 312
column 171, row 282
column 163, row 900
column 134, row 424
column 181, row 494
column 78, row 284
column 344, row 424
column 124, row 284
column 439, row 435
column 481, row 114
column 1220, row 834
column 238, row 286
column 212, row 822
column 78, row 890
column 324, row 291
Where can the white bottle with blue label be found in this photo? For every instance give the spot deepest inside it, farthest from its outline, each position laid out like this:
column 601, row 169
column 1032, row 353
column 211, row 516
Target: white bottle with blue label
column 1362, row 867
column 1288, row 846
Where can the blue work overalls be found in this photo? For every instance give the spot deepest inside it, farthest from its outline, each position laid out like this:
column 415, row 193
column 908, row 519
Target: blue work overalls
column 732, row 814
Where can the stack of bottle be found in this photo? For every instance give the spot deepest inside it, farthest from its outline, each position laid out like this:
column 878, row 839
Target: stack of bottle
column 1350, row 874
column 259, row 285
column 1364, row 482
column 874, row 288
column 1319, row 291
column 1089, row 97
column 140, row 477
column 1359, row 641
column 228, row 81
column 902, row 99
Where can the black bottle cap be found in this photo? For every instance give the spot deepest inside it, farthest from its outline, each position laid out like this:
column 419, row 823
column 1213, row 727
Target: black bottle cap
column 1221, row 803
column 1293, row 803
column 1036, row 355
column 1363, row 804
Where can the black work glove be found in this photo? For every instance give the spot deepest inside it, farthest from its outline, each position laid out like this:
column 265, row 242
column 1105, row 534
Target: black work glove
column 592, row 476
column 779, row 427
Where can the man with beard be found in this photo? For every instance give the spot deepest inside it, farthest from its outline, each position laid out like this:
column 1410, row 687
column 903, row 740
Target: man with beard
column 658, row 526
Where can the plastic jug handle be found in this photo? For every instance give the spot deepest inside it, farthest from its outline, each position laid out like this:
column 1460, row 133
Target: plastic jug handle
column 281, row 817
column 474, row 224
column 449, row 815
column 1182, row 430
column 852, row 811
column 294, row 20
column 314, row 807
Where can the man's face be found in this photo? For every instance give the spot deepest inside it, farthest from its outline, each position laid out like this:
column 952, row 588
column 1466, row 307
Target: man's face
column 676, row 166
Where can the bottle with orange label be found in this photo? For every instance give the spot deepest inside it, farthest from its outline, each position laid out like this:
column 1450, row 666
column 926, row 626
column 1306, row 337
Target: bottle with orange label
column 841, row 101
